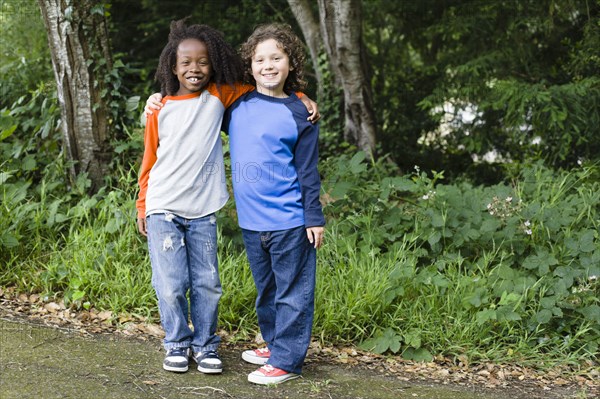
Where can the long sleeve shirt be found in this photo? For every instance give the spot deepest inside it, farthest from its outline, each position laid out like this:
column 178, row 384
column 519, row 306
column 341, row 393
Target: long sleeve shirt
column 274, row 156
column 182, row 169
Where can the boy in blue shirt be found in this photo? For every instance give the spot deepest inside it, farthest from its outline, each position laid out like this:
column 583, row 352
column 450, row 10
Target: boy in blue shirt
column 274, row 156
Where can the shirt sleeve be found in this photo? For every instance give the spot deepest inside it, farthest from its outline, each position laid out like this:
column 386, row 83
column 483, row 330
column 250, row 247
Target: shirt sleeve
column 306, row 158
column 148, row 161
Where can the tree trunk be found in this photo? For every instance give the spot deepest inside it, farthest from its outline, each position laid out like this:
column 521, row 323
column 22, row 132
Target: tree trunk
column 341, row 27
column 78, row 40
column 309, row 24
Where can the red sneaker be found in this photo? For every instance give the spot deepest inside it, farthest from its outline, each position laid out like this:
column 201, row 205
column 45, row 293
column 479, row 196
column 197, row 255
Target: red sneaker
column 268, row 374
column 257, row 356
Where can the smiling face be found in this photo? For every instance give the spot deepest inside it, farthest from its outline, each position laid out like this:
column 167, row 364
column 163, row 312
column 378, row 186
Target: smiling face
column 270, row 68
column 193, row 68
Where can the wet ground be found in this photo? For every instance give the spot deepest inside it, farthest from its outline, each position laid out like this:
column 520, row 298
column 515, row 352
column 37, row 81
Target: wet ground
column 37, row 361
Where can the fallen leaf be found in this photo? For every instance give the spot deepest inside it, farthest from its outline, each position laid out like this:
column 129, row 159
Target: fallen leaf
column 52, row 307
column 105, row 315
column 442, row 373
column 154, row 330
column 258, row 339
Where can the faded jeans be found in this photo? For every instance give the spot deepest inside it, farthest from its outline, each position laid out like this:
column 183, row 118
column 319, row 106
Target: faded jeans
column 183, row 253
column 283, row 265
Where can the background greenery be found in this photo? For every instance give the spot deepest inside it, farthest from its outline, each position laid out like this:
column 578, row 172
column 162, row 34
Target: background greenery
column 490, row 260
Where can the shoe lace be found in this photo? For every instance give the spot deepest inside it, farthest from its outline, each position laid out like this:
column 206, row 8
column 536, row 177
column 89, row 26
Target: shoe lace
column 176, row 352
column 268, row 368
column 263, row 350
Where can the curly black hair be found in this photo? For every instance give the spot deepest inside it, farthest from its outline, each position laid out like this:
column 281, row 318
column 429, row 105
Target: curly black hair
column 288, row 42
column 225, row 62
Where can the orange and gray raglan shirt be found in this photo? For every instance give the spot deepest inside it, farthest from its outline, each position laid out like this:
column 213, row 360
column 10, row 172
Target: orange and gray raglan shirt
column 182, row 169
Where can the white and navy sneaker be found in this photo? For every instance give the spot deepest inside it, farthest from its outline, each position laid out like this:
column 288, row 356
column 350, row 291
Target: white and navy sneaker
column 177, row 360
column 208, row 362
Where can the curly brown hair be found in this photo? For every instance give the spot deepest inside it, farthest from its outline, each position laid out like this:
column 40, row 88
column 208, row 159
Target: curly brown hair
column 288, row 42
column 225, row 62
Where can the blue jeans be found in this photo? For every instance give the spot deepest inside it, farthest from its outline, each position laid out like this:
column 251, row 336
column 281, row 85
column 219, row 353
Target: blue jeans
column 283, row 265
column 183, row 253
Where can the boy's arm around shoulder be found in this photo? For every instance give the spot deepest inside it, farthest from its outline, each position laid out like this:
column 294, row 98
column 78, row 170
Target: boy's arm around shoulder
column 311, row 107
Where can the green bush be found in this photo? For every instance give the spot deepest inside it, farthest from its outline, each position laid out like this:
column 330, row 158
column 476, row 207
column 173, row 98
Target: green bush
column 511, row 265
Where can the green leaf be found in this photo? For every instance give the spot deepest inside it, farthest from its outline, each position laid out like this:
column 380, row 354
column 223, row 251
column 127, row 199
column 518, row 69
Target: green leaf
column 4, row 176
column 29, row 163
column 356, row 163
column 97, row 9
column 591, row 313
column 490, row 225
column 543, row 316
column 434, row 238
column 392, row 294
column 388, row 340
column 132, row 103
column 8, row 240
column 404, row 184
column 548, row 302
column 77, row 295
column 509, row 299
column 419, row 355
column 413, row 338
column 484, row 315
column 506, row 272
column 505, row 313
column 5, row 133
column 340, row 189
column 477, row 298
column 440, row 281
column 437, row 220
column 541, row 261
column 567, row 274
column 586, row 242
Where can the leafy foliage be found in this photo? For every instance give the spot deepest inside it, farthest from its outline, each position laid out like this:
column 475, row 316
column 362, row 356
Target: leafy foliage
column 526, row 69
column 519, row 257
column 24, row 54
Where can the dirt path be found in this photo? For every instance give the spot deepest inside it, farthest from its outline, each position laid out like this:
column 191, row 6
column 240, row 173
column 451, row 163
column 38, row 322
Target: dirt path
column 38, row 361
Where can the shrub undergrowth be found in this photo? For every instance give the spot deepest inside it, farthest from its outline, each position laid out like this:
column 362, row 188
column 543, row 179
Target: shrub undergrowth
column 410, row 265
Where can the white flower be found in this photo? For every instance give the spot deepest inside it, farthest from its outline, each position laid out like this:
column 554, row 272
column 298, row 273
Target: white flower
column 508, row 199
column 492, row 213
column 527, row 223
column 593, row 278
column 489, row 206
column 528, row 232
column 426, row 197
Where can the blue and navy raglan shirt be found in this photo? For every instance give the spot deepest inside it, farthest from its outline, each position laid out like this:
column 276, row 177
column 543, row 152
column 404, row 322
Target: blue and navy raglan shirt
column 274, row 156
